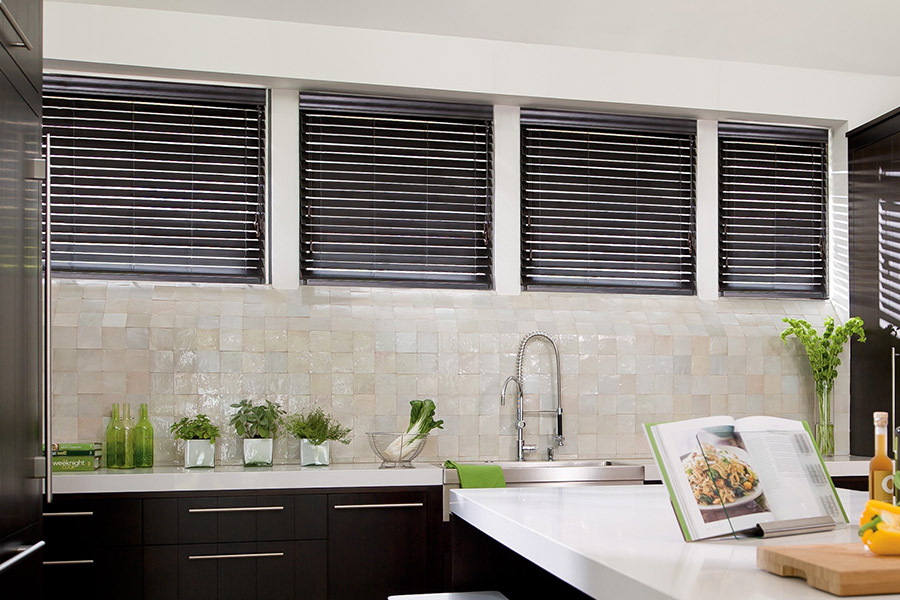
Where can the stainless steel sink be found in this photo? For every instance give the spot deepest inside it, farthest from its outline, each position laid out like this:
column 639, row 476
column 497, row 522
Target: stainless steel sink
column 555, row 473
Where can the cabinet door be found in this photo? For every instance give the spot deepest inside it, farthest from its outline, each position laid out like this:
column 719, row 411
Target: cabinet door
column 377, row 545
column 20, row 402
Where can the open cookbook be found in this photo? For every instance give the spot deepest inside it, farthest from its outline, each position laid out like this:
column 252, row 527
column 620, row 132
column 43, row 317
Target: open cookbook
column 726, row 475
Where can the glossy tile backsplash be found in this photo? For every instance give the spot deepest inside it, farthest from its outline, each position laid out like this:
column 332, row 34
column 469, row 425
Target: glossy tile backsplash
column 364, row 353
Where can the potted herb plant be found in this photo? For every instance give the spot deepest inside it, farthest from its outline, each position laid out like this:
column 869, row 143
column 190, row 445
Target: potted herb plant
column 824, row 353
column 315, row 429
column 199, row 436
column 258, row 425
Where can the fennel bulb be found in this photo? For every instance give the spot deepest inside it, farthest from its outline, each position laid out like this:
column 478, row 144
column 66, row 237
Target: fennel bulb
column 421, row 421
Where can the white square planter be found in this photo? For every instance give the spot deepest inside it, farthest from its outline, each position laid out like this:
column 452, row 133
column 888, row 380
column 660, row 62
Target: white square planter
column 258, row 452
column 314, row 455
column 199, row 453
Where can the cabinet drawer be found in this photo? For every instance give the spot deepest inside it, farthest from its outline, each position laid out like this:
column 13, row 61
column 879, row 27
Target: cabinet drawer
column 244, row 570
column 377, row 545
column 72, row 523
column 96, row 569
column 223, row 519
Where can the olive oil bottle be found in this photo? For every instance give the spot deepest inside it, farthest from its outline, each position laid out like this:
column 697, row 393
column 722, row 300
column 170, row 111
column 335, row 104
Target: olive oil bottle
column 881, row 468
column 143, row 440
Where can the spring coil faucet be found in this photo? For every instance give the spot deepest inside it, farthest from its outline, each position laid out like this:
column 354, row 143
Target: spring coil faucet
column 521, row 447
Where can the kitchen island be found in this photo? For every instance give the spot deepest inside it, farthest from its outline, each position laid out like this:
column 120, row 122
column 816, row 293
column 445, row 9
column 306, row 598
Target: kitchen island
column 624, row 542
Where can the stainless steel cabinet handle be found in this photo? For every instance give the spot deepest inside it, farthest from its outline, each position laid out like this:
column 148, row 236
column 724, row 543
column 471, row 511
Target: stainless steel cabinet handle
column 69, row 562
column 235, row 509
column 396, row 505
column 48, row 339
column 21, row 555
column 253, row 555
column 87, row 513
column 24, row 41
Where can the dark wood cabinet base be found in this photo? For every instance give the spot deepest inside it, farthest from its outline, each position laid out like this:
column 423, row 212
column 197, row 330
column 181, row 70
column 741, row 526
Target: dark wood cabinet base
column 481, row 563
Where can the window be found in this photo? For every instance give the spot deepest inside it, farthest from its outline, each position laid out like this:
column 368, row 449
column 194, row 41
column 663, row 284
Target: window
column 607, row 202
column 395, row 192
column 772, row 203
column 156, row 180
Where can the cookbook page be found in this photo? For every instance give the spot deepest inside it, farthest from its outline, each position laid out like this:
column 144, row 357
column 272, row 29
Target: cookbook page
column 710, row 476
column 793, row 476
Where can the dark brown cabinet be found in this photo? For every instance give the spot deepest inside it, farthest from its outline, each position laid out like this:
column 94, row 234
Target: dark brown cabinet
column 20, row 298
column 377, row 544
column 874, row 227
column 314, row 545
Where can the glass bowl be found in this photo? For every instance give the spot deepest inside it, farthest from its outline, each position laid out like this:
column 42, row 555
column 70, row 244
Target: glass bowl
column 395, row 449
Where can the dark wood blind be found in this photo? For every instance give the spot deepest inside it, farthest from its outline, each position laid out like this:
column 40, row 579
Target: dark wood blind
column 607, row 202
column 395, row 191
column 155, row 180
column 772, row 210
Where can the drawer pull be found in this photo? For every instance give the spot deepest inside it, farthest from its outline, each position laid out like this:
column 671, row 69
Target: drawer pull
column 23, row 552
column 396, row 505
column 253, row 555
column 69, row 562
column 87, row 513
column 235, row 509
column 24, row 41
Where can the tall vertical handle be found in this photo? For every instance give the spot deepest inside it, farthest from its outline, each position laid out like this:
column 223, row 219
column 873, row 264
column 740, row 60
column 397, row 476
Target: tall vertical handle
column 48, row 338
column 894, row 402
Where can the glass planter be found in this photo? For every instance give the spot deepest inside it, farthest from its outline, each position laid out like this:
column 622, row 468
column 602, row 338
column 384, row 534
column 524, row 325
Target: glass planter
column 199, row 453
column 314, row 454
column 824, row 423
column 258, row 452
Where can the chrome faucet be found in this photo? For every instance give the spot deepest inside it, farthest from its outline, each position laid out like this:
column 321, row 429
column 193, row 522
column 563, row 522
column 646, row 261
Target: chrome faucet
column 521, row 447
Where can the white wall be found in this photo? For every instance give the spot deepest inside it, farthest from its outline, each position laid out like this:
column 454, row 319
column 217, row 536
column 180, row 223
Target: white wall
column 289, row 56
column 279, row 54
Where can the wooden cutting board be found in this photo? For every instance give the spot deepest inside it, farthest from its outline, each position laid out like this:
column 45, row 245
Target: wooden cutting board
column 841, row 569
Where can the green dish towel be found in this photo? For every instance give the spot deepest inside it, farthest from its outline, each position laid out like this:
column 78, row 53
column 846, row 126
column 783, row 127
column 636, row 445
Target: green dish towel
column 478, row 476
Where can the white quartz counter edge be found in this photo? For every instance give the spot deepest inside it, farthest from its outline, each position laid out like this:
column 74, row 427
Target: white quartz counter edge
column 624, row 542
column 178, row 479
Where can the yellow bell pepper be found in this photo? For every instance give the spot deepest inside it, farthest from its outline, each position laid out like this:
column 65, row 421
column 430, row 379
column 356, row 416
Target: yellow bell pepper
column 879, row 527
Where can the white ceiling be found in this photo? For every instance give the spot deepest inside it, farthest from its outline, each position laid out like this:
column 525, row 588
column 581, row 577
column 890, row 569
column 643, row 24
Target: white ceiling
column 861, row 36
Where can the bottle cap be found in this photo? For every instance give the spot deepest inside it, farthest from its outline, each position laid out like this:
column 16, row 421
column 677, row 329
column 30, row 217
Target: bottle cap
column 881, row 418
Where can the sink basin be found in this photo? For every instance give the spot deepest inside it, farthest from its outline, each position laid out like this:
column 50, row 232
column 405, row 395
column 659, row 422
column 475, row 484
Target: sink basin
column 556, row 473
column 561, row 472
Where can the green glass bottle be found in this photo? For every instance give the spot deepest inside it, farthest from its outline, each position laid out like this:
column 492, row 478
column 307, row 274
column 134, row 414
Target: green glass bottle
column 125, row 439
column 113, row 454
column 143, row 440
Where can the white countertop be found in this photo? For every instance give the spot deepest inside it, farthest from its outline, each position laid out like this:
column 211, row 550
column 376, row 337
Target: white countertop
column 624, row 542
column 166, row 479
column 179, row 479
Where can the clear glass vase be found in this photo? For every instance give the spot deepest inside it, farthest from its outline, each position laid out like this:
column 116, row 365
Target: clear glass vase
column 824, row 424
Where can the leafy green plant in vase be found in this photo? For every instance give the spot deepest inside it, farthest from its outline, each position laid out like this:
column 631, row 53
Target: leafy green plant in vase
column 315, row 429
column 199, row 435
column 824, row 353
column 258, row 425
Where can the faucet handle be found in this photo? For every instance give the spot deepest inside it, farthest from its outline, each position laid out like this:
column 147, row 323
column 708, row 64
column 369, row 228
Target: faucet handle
column 528, row 448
